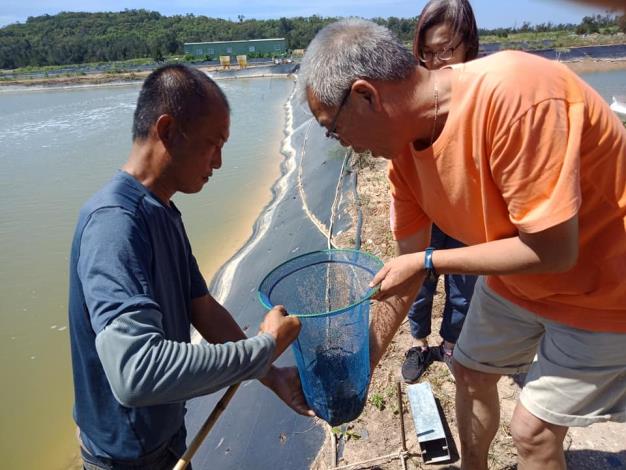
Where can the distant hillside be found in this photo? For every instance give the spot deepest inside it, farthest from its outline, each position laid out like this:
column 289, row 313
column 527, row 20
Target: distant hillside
column 71, row 38
column 74, row 38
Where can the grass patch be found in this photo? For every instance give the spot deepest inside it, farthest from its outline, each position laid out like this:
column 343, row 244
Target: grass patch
column 345, row 432
column 377, row 401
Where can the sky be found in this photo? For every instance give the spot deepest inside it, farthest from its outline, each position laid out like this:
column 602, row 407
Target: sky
column 489, row 13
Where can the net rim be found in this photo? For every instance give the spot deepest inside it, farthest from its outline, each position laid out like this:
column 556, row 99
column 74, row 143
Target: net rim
column 265, row 301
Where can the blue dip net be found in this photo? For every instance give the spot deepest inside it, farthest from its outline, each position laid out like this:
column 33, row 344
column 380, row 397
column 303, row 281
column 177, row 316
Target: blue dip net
column 329, row 291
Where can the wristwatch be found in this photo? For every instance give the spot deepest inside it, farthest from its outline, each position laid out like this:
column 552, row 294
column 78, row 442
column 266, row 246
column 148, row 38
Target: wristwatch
column 431, row 273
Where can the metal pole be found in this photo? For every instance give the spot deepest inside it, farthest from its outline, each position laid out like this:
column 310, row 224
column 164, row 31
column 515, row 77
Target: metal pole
column 402, row 434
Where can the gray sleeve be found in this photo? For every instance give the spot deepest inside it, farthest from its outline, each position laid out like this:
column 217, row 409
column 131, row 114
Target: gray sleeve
column 144, row 369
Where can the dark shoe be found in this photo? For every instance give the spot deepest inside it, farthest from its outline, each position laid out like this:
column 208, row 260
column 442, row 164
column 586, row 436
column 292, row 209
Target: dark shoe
column 416, row 360
column 519, row 379
column 443, row 354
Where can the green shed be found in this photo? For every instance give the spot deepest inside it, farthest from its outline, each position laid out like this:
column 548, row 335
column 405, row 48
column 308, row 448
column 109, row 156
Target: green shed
column 251, row 47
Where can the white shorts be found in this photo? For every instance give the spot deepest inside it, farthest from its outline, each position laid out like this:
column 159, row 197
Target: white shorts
column 575, row 377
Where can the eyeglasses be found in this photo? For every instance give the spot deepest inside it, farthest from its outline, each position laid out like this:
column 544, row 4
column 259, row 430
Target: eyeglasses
column 330, row 133
column 444, row 55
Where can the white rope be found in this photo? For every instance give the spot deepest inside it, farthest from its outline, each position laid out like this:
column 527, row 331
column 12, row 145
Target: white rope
column 316, row 222
column 333, row 211
column 326, row 231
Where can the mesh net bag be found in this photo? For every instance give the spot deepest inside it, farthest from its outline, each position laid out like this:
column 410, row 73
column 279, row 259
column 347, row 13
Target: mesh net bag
column 329, row 292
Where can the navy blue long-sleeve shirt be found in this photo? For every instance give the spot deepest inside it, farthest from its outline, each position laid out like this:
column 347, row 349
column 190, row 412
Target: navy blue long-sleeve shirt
column 132, row 279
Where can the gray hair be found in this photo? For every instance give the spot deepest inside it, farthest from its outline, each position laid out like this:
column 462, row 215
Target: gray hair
column 348, row 50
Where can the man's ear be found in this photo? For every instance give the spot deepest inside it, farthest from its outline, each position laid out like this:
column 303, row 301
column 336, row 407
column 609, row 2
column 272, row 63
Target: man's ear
column 367, row 93
column 165, row 130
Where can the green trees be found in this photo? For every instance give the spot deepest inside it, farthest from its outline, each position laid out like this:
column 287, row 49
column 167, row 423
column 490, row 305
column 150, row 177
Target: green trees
column 70, row 38
column 599, row 24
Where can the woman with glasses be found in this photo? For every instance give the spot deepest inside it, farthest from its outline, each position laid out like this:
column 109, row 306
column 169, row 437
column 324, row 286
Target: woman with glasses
column 445, row 34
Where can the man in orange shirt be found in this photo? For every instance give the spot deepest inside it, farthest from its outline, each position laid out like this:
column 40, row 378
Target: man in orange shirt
column 533, row 162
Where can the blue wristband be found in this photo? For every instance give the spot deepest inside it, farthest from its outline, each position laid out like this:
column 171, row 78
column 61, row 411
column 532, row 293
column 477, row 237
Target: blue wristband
column 431, row 273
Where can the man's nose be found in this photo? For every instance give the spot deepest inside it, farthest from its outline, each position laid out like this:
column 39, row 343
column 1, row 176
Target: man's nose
column 216, row 161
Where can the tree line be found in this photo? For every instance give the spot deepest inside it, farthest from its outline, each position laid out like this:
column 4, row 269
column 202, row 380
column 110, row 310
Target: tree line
column 72, row 38
column 588, row 25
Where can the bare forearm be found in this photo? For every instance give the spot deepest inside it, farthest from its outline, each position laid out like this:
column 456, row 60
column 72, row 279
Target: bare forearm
column 551, row 250
column 214, row 322
column 500, row 257
column 387, row 316
column 506, row 256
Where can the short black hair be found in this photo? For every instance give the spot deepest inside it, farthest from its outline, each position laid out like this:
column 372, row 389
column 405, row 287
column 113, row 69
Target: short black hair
column 183, row 92
column 459, row 15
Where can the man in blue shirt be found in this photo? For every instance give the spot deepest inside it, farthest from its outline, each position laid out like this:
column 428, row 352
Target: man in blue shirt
column 135, row 290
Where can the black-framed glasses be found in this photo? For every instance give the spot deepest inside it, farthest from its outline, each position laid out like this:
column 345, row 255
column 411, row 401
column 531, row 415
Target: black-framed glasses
column 330, row 133
column 444, row 55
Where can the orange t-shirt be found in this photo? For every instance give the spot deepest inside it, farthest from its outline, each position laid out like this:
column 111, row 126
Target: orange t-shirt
column 526, row 146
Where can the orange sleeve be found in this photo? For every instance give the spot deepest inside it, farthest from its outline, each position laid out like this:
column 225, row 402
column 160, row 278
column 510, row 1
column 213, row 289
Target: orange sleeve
column 406, row 216
column 535, row 163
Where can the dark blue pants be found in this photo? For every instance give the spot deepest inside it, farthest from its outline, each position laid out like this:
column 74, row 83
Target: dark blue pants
column 459, row 289
column 163, row 458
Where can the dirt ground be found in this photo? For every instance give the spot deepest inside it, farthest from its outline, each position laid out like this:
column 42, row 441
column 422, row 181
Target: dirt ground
column 376, row 432
column 88, row 79
column 96, row 78
column 579, row 66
